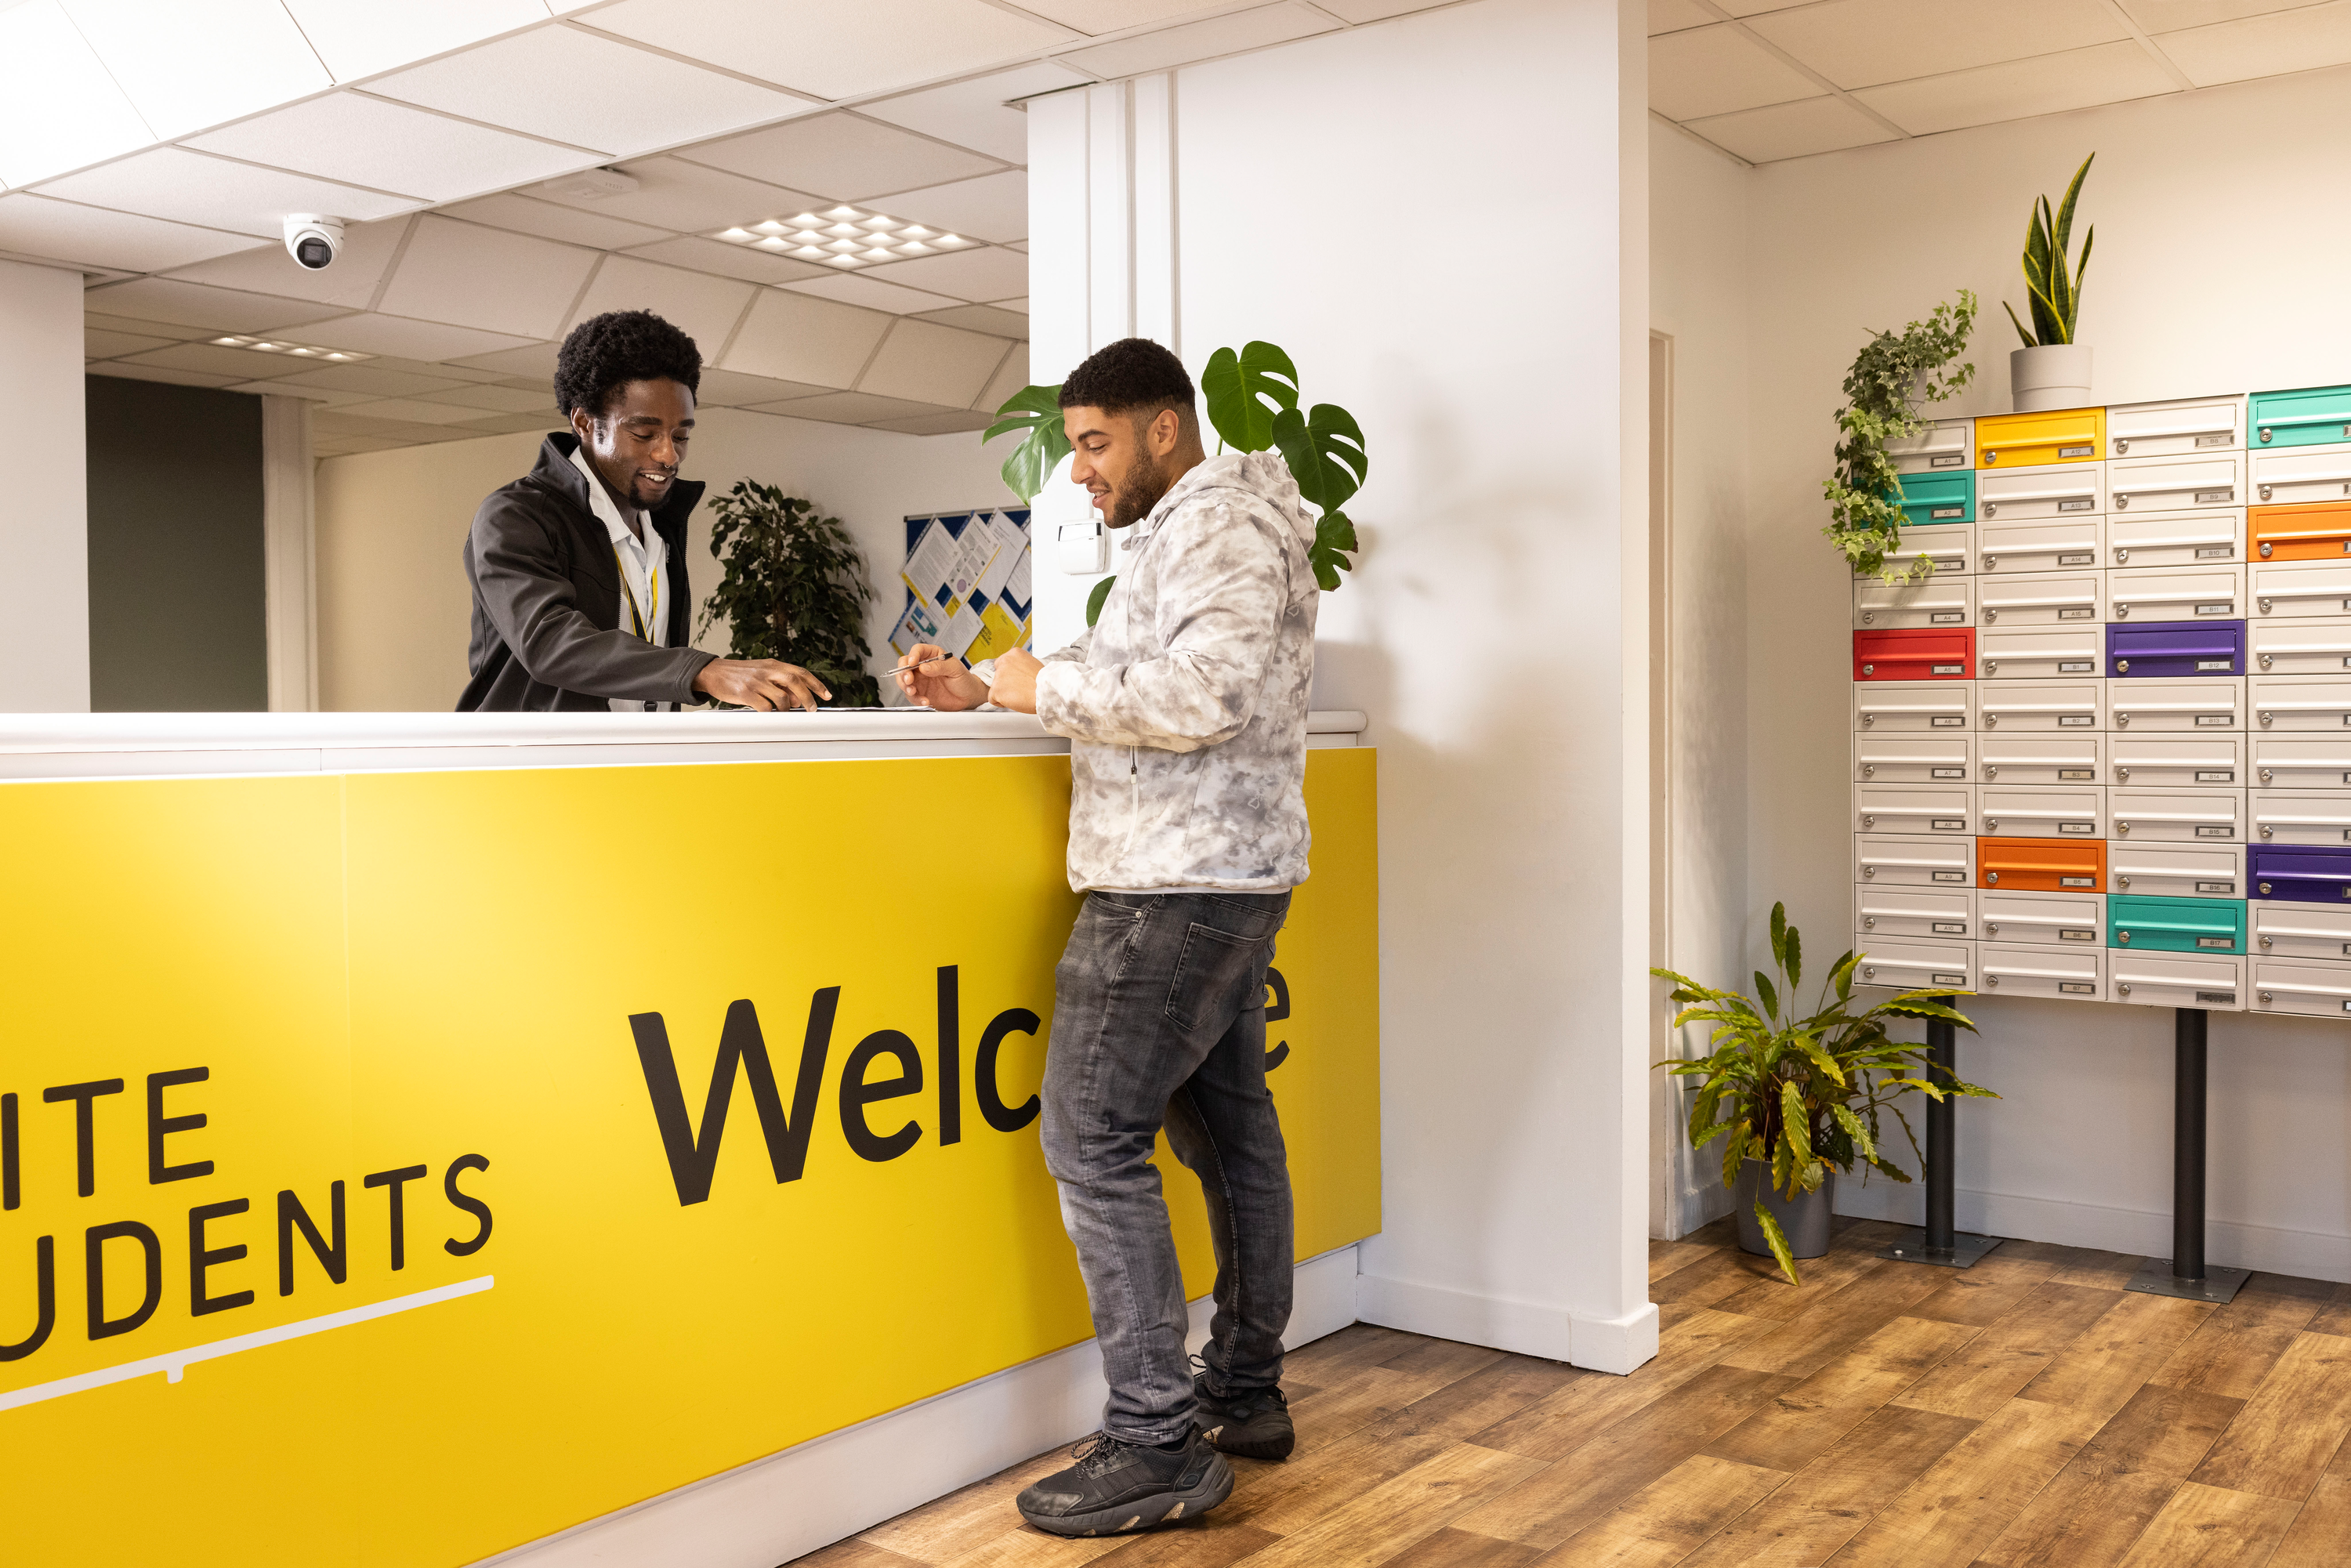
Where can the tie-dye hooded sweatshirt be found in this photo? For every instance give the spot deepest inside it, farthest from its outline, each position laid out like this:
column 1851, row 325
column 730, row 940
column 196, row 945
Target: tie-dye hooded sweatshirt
column 1185, row 704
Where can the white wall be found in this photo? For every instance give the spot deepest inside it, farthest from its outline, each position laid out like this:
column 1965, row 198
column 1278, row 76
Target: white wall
column 2218, row 268
column 44, row 509
column 1488, row 379
column 393, row 603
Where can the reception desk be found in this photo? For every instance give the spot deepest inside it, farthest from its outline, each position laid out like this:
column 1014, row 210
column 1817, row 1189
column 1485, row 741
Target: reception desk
column 420, row 1134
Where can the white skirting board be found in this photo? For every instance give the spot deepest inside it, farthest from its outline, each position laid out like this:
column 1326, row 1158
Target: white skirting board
column 815, row 1493
column 1598, row 1345
column 2309, row 1254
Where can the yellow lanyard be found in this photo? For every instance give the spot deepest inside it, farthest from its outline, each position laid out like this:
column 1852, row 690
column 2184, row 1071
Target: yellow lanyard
column 652, row 588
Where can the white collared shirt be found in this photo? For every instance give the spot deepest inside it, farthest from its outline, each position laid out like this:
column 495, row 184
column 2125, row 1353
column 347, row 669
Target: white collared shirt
column 642, row 564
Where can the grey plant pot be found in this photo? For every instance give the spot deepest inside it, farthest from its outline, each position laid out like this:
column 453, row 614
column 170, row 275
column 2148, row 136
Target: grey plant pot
column 1804, row 1222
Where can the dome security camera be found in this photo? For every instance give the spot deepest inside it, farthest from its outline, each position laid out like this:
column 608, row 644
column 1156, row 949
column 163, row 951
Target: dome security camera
column 313, row 240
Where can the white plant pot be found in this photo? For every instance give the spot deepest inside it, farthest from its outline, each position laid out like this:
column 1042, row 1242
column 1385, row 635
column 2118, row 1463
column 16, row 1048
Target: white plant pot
column 2054, row 375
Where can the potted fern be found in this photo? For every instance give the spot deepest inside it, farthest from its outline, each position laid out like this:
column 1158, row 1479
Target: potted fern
column 794, row 588
column 1894, row 374
column 1796, row 1100
column 2052, row 370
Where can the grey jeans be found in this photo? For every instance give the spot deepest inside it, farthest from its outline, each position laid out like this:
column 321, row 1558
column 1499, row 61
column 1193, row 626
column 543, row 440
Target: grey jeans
column 1159, row 1020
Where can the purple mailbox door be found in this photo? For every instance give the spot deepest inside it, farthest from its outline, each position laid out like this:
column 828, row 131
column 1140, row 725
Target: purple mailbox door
column 2299, row 873
column 2175, row 648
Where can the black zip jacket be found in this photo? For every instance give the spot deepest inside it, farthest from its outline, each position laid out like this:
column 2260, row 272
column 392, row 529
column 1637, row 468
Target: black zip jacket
column 547, row 594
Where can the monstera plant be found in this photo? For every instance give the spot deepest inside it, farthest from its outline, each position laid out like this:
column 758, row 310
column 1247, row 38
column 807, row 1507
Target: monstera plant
column 1254, row 402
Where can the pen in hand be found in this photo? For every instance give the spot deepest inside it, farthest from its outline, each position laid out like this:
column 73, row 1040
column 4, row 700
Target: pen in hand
column 934, row 659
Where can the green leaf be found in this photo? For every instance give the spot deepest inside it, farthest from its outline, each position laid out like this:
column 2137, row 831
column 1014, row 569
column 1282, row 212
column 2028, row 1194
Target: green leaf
column 1038, row 411
column 1780, row 934
column 1854, row 1129
column 1244, row 391
column 1794, row 962
column 1335, row 543
column 2030, row 340
column 1795, row 1127
column 1094, row 600
column 1324, row 449
column 1777, row 1242
column 1771, row 997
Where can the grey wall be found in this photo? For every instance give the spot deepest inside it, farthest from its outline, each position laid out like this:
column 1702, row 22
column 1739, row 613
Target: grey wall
column 176, row 610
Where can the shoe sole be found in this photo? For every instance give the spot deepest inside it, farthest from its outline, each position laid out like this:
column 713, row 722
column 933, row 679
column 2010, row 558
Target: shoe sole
column 1228, row 1441
column 1216, row 1484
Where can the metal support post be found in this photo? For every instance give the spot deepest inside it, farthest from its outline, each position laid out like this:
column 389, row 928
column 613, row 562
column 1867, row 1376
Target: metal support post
column 2184, row 1274
column 1941, row 1243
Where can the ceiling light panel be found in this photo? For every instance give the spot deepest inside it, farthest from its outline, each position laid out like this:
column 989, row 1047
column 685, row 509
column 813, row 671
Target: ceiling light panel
column 92, row 237
column 1865, row 43
column 830, row 49
column 588, row 90
column 472, row 276
column 1719, row 70
column 368, row 141
column 840, row 237
column 188, row 64
column 193, row 188
column 286, row 349
column 1202, row 40
column 978, row 114
column 61, row 111
column 360, row 40
column 848, row 158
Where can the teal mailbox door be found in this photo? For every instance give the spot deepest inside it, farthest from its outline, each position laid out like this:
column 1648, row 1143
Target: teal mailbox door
column 2312, row 416
column 1935, row 499
column 2176, row 924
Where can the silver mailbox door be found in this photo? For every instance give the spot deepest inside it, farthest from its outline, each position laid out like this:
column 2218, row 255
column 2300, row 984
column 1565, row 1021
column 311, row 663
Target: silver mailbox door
column 2176, row 483
column 2042, row 812
column 2175, row 539
column 2059, row 490
column 2178, row 816
column 2062, row 707
column 1914, row 860
column 1919, row 912
column 2298, row 474
column 2313, row 989
column 2175, row 593
column 1907, row 707
column 2300, row 816
column 2139, row 707
column 1914, row 808
column 1946, row 758
column 2280, row 930
column 2175, row 979
column 2043, row 919
column 2177, row 871
column 2063, row 974
column 2184, row 759
column 2073, row 544
column 2287, row 587
column 2188, row 425
column 2302, row 762
column 1941, row 600
column 1950, row 546
column 1943, row 447
column 2037, row 598
column 2299, row 645
column 2039, row 653
column 2022, row 758
column 1910, row 965
column 2300, row 703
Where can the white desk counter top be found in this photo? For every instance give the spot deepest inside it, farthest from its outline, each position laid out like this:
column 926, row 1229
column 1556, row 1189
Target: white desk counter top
column 163, row 745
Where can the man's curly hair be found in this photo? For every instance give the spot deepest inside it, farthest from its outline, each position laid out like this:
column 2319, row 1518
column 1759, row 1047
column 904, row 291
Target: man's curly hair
column 606, row 353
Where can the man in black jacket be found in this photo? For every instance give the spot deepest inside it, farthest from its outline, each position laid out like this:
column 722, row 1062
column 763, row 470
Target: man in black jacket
column 580, row 601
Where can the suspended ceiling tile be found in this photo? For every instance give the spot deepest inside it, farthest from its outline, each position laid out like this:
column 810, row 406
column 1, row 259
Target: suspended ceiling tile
column 828, row 48
column 176, row 333
column 359, row 40
column 290, row 387
column 1361, row 11
column 197, row 305
column 992, row 207
column 587, row 89
column 848, row 408
column 368, row 141
column 350, row 282
column 1676, row 15
column 187, row 64
column 841, row 155
column 1719, row 70
column 97, row 345
column 1020, row 304
column 1010, row 378
column 439, row 369
column 1201, row 40
column 925, row 362
column 192, row 188
column 371, row 380
column 411, row 410
column 513, row 424
column 979, row 113
column 2262, row 45
column 372, row 333
column 549, row 220
column 992, row 320
column 472, row 276
column 2172, row 16
column 795, row 339
column 703, row 308
column 535, row 364
column 1867, row 43
column 334, row 423
column 2108, row 73
column 1095, row 16
column 948, row 422
column 497, row 400
column 979, row 276
column 130, row 371
column 1792, row 129
column 230, row 364
column 743, row 261
column 674, row 194
column 732, row 389
column 63, row 231
column 873, row 294
column 61, row 109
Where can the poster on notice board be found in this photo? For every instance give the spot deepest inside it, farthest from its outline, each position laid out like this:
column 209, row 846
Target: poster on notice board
column 966, row 579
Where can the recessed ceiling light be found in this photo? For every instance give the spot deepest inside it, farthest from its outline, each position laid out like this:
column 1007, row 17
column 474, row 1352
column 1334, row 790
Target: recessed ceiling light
column 878, row 224
column 297, row 350
column 773, row 241
column 233, row 342
column 810, row 236
column 736, row 236
column 846, row 260
column 807, row 221
column 953, row 239
column 880, row 255
column 844, row 245
column 810, row 253
column 772, row 227
column 914, row 231
column 839, row 212
column 914, row 248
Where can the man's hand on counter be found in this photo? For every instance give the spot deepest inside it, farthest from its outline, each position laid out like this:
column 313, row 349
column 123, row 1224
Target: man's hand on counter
column 942, row 683
column 1015, row 681
column 766, row 685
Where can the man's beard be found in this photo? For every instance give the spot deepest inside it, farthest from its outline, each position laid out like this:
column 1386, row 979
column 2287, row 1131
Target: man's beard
column 1132, row 502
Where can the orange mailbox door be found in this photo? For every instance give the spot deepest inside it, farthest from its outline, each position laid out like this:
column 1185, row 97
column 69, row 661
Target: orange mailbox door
column 2307, row 531
column 2041, row 866
column 2035, row 440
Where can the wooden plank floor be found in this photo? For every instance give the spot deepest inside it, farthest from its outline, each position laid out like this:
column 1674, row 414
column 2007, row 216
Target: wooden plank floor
column 2027, row 1413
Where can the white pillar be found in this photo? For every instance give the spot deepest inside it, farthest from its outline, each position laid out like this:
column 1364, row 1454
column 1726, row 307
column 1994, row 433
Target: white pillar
column 44, row 513
column 289, row 531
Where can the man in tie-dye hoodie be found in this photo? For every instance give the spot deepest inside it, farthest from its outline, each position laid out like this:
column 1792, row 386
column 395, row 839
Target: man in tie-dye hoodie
column 1184, row 705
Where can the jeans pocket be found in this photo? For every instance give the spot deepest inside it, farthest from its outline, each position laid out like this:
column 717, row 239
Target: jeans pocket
column 1219, row 977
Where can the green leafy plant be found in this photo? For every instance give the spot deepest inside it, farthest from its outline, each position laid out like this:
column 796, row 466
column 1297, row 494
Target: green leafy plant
column 1892, row 374
column 1803, row 1093
column 2056, row 298
column 794, row 588
column 1253, row 401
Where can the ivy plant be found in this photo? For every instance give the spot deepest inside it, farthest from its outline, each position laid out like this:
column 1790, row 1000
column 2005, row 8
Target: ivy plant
column 1890, row 377
column 1253, row 401
column 1803, row 1094
column 793, row 589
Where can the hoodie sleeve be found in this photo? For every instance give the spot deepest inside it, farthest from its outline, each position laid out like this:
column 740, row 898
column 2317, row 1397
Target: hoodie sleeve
column 1224, row 579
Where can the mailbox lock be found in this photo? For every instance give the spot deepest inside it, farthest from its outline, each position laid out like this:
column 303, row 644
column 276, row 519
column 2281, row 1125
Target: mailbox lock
column 1989, row 720
column 2265, row 886
column 2265, row 941
column 1867, row 719
column 2266, row 998
column 2265, row 775
column 2123, row 774
column 1990, row 771
column 2122, row 720
column 2121, row 554
column 2265, row 436
column 2265, row 718
column 2122, row 445
column 1992, row 927
column 1992, row 457
column 2123, row 937
column 2122, row 666
column 2123, row 880
column 2266, row 664
column 2265, row 550
column 2265, row 496
column 1991, row 979
column 1990, row 511
column 1991, row 667
column 1869, row 871
column 2122, row 611
column 1992, row 824
column 1991, row 876
column 1990, row 561
column 1867, row 820
column 1869, row 971
column 2123, row 988
column 2122, row 827
column 2265, row 603
column 2121, row 501
column 1869, row 923
column 1992, row 614
column 1869, row 669
column 1868, row 617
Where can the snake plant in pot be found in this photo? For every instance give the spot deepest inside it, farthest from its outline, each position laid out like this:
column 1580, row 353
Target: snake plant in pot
column 2052, row 370
column 1795, row 1100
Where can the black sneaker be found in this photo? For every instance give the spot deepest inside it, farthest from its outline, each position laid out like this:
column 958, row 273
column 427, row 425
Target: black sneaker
column 1116, row 1486
column 1255, row 1425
